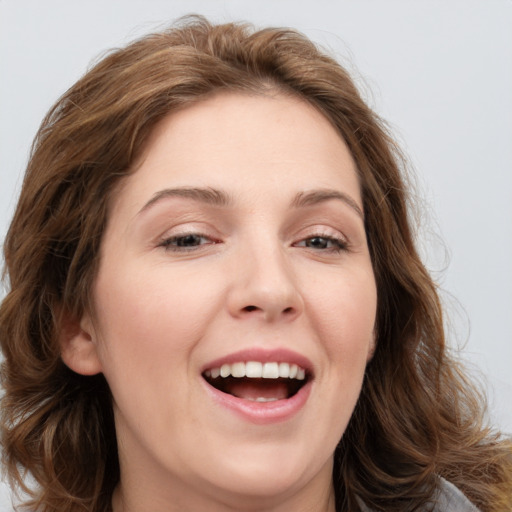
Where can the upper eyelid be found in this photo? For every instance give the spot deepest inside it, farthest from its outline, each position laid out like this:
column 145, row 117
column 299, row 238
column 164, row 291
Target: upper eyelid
column 309, row 232
column 324, row 235
column 323, row 231
column 199, row 228
column 293, row 229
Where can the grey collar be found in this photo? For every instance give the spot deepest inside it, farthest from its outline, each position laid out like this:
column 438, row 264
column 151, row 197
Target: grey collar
column 447, row 499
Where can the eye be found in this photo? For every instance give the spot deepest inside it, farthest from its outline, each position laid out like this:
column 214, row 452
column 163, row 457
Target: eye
column 186, row 241
column 323, row 243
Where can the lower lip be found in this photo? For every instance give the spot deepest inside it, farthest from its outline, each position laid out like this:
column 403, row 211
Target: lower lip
column 262, row 413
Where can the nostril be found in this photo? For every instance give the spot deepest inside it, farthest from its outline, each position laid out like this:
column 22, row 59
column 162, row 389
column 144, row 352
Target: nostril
column 248, row 309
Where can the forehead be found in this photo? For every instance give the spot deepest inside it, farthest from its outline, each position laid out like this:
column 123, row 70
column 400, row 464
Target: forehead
column 240, row 142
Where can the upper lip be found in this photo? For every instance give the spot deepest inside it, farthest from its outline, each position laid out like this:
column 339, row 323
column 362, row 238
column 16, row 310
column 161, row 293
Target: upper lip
column 278, row 355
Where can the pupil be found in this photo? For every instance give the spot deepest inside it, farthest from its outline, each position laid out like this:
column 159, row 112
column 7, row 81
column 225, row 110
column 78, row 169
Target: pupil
column 317, row 243
column 188, row 240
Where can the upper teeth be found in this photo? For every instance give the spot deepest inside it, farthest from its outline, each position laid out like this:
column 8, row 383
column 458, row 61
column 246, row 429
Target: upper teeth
column 257, row 370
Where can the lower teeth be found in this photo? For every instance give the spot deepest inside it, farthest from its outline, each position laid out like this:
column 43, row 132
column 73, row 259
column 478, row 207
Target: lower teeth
column 262, row 399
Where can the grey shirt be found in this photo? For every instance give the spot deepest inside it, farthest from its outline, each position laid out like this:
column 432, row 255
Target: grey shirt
column 448, row 499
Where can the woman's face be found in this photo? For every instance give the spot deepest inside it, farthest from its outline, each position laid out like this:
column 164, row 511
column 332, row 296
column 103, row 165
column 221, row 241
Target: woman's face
column 236, row 246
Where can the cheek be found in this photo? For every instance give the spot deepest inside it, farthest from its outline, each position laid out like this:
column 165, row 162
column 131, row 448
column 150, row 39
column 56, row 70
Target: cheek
column 344, row 315
column 344, row 310
column 149, row 317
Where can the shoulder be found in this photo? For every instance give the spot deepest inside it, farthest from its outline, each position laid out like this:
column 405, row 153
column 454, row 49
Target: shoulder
column 451, row 499
column 447, row 499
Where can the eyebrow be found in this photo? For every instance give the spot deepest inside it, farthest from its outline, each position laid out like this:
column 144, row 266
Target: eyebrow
column 209, row 196
column 217, row 197
column 314, row 197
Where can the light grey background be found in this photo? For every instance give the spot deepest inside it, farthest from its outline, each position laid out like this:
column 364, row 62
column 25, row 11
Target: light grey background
column 440, row 72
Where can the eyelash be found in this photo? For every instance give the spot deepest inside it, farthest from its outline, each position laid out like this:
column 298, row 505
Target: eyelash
column 338, row 244
column 173, row 243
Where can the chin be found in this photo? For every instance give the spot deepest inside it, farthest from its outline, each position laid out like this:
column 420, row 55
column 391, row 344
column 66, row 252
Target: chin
column 252, row 475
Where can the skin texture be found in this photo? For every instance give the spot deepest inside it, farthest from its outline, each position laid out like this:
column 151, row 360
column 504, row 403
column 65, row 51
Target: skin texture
column 263, row 273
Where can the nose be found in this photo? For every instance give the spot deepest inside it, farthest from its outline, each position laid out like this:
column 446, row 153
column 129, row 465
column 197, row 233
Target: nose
column 265, row 286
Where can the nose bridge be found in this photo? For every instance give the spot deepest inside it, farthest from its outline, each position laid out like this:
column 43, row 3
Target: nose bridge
column 265, row 284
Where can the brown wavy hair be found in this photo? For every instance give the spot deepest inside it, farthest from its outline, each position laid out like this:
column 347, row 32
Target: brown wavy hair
column 418, row 416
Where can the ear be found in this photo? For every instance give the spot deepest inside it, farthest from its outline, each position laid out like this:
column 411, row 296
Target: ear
column 78, row 347
column 372, row 347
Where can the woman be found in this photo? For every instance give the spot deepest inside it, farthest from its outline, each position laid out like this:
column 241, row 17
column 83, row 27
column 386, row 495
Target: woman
column 215, row 300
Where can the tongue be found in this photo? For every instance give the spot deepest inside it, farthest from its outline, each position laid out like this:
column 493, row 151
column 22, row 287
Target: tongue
column 252, row 389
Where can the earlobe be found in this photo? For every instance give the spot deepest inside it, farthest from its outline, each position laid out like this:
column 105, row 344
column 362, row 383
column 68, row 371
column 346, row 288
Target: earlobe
column 78, row 346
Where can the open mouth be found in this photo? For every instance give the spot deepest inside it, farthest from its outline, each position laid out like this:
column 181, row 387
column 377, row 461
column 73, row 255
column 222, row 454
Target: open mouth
column 258, row 382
